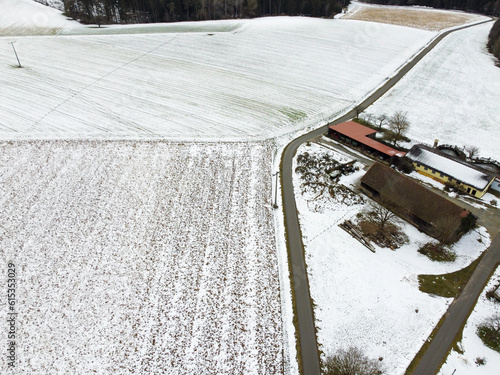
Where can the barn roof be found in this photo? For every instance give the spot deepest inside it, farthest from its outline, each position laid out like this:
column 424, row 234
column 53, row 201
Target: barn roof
column 360, row 133
column 459, row 171
column 409, row 196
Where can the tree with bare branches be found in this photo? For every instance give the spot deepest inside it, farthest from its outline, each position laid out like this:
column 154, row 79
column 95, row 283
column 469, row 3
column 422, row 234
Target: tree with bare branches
column 351, row 362
column 398, row 125
column 381, row 119
column 381, row 215
column 471, row 151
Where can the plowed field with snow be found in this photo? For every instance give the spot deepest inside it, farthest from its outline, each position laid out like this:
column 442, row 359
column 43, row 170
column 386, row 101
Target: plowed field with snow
column 251, row 79
column 138, row 257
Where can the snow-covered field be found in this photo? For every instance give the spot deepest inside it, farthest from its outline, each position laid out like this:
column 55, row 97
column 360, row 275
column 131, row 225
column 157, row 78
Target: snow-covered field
column 161, row 257
column 471, row 344
column 139, row 257
column 371, row 300
column 251, row 79
column 453, row 94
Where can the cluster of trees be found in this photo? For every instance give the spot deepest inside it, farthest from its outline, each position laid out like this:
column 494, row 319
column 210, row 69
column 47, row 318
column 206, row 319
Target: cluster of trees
column 490, row 7
column 352, row 362
column 134, row 11
column 494, row 39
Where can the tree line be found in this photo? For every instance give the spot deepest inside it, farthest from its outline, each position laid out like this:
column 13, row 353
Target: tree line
column 493, row 44
column 144, row 11
column 489, row 7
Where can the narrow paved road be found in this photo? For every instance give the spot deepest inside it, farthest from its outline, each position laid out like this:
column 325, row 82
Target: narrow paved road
column 458, row 312
column 303, row 309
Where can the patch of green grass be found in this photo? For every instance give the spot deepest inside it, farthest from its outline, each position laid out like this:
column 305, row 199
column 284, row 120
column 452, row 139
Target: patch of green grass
column 449, row 285
column 293, row 114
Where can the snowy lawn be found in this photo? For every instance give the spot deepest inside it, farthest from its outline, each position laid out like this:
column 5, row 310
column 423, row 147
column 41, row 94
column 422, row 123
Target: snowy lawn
column 141, row 257
column 471, row 344
column 231, row 80
column 371, row 300
column 452, row 94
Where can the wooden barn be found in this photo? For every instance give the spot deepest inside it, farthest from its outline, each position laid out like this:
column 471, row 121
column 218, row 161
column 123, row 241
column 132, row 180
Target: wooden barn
column 429, row 212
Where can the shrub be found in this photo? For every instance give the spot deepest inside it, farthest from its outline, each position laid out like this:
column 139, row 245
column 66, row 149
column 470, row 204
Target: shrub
column 352, row 361
column 489, row 332
column 437, row 252
column 480, row 361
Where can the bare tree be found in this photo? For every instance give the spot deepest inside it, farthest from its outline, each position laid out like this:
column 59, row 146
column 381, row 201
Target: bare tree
column 381, row 120
column 98, row 13
column 472, row 151
column 381, row 215
column 399, row 125
column 351, row 362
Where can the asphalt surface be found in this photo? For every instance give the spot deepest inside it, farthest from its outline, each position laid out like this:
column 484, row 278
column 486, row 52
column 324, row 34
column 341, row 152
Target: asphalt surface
column 303, row 309
column 458, row 312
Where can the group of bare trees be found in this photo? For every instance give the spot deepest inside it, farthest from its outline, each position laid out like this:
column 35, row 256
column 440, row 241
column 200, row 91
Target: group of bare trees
column 351, row 362
column 133, row 11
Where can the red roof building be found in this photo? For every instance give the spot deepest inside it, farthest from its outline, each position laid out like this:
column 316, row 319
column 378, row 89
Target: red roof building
column 358, row 135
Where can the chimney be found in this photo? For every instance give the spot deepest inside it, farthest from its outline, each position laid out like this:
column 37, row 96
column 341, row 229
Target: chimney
column 436, row 141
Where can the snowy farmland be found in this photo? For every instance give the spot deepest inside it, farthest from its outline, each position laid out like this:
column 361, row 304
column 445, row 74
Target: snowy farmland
column 251, row 79
column 138, row 257
column 371, row 300
column 452, row 94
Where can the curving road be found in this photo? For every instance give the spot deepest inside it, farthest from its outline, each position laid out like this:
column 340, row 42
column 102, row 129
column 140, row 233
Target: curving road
column 303, row 309
column 459, row 311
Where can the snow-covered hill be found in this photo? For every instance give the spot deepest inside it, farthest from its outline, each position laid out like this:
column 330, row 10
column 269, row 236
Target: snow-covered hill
column 26, row 17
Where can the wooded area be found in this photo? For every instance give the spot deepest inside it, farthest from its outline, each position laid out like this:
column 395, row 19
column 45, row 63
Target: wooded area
column 489, row 7
column 494, row 39
column 134, row 11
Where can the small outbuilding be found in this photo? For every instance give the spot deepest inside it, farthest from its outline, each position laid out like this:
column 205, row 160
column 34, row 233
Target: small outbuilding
column 429, row 212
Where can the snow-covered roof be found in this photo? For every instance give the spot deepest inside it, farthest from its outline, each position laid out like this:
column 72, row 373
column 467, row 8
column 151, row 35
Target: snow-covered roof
column 459, row 171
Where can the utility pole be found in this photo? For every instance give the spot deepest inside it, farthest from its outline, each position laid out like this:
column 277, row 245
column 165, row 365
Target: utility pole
column 14, row 48
column 275, row 204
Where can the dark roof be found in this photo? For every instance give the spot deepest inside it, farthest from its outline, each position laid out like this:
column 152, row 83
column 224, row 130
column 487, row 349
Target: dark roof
column 409, row 196
column 360, row 133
